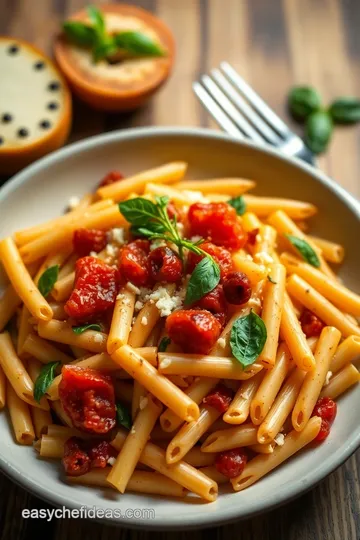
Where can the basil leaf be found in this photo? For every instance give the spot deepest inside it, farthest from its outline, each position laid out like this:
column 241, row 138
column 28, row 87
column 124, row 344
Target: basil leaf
column 162, row 201
column 45, row 378
column 138, row 211
column 80, row 329
column 97, row 19
column 239, row 204
column 79, row 33
column 164, row 343
column 104, row 48
column 48, row 279
column 138, row 44
column 204, row 279
column 247, row 338
column 305, row 250
column 123, row 416
column 303, row 100
column 271, row 280
column 318, row 130
column 345, row 110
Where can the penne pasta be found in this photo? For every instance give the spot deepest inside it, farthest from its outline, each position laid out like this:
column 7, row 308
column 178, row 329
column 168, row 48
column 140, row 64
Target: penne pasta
column 342, row 381
column 331, row 251
column 2, row 388
column 254, row 271
column 61, row 332
column 44, row 351
column 226, row 439
column 121, row 320
column 264, row 206
column 348, row 351
column 63, row 287
column 230, row 186
column 20, row 418
column 239, row 408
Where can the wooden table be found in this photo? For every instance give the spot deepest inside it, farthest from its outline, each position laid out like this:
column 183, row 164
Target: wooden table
column 274, row 44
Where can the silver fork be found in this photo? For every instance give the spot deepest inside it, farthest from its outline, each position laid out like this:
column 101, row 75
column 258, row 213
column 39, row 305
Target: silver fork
column 242, row 113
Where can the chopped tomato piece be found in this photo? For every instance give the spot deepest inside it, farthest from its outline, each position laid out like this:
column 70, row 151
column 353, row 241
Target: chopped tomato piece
column 220, row 255
column 95, row 289
column 88, row 398
column 326, row 409
column 134, row 262
column 217, row 221
column 251, row 236
column 165, row 265
column 219, row 398
column 86, row 240
column 214, row 301
column 231, row 463
column 100, row 452
column 111, row 178
column 311, row 324
column 80, row 456
column 196, row 331
column 237, row 288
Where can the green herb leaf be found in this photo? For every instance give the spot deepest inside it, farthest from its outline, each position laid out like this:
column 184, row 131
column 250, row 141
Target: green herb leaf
column 79, row 33
column 97, row 19
column 247, row 338
column 303, row 100
column 138, row 44
column 123, row 416
column 139, row 211
column 104, row 48
column 305, row 250
column 45, row 378
column 271, row 280
column 164, row 343
column 48, row 279
column 162, row 201
column 318, row 131
column 239, row 204
column 204, row 279
column 80, row 329
column 345, row 110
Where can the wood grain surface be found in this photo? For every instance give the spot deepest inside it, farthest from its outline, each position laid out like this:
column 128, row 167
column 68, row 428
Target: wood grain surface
column 273, row 44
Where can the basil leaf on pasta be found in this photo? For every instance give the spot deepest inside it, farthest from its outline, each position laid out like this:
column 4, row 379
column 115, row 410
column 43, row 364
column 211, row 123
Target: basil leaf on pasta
column 239, row 204
column 305, row 250
column 46, row 376
column 247, row 338
column 204, row 279
column 81, row 329
column 48, row 279
column 164, row 343
column 123, row 416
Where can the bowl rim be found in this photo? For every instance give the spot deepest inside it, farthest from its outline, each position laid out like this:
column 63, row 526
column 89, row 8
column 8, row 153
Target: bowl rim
column 230, row 514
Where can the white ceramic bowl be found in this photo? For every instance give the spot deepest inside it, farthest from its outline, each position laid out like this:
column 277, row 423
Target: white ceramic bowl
column 42, row 190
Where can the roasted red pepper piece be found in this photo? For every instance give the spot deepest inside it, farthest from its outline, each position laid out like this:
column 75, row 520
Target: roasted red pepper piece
column 219, row 398
column 231, row 463
column 87, row 240
column 110, row 178
column 134, row 263
column 220, row 255
column 196, row 331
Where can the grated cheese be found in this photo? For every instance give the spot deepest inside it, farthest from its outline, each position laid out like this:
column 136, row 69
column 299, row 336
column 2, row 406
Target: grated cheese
column 133, row 430
column 263, row 258
column 118, row 235
column 280, row 439
column 111, row 250
column 144, row 321
column 143, row 403
column 111, row 461
column 222, row 342
column 328, row 377
column 165, row 363
column 158, row 242
column 98, row 338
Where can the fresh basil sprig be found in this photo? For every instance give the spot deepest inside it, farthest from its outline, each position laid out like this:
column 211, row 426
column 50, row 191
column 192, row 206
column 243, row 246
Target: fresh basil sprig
column 247, row 338
column 45, row 378
column 303, row 100
column 239, row 204
column 345, row 110
column 164, row 343
column 318, row 131
column 123, row 416
column 152, row 221
column 305, row 250
column 48, row 279
column 80, row 329
column 104, row 45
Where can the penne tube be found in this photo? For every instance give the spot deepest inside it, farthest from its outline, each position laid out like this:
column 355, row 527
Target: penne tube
column 189, row 434
column 134, row 444
column 263, row 464
column 197, row 458
column 22, row 281
column 212, row 472
column 60, row 413
column 9, row 302
column 265, row 245
column 332, row 252
column 24, row 329
column 165, row 174
column 230, row 186
column 169, row 394
column 63, row 287
column 239, row 408
column 41, row 419
column 284, row 225
column 79, row 353
column 53, row 259
column 2, row 388
column 68, row 267
column 342, row 381
column 139, row 393
column 145, row 321
column 154, row 337
column 339, row 295
column 314, row 380
column 264, row 206
column 20, row 418
column 175, row 195
column 16, row 373
column 317, row 303
column 348, row 351
column 181, row 472
column 124, row 391
column 58, row 310
column 59, row 237
column 294, row 337
column 61, row 332
column 263, row 448
column 255, row 272
column 273, row 301
column 52, row 446
column 251, row 222
column 205, row 366
column 270, row 386
column 65, row 432
column 229, row 438
column 121, row 320
column 44, row 351
column 200, row 388
column 31, row 233
column 151, row 483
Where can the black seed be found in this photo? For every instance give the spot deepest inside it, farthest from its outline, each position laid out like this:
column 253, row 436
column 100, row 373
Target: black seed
column 1, row 140
column 6, row 118
column 52, row 106
column 55, row 85
column 23, row 132
column 13, row 49
column 45, row 124
column 39, row 65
